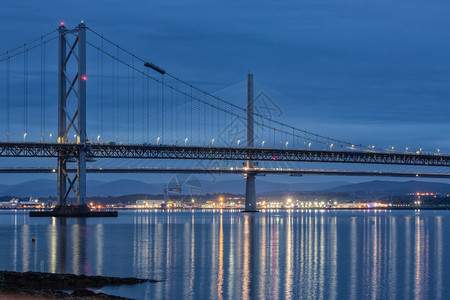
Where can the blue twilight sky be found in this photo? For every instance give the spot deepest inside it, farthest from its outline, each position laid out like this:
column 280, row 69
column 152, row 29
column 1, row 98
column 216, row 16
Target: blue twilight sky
column 377, row 73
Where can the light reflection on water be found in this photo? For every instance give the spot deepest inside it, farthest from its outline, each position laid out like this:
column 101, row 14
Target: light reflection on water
column 231, row 255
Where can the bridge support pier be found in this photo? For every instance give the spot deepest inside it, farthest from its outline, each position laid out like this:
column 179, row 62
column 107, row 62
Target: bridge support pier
column 250, row 194
column 250, row 189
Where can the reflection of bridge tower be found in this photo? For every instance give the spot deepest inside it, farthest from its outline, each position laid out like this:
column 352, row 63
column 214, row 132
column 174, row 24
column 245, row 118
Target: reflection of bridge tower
column 250, row 192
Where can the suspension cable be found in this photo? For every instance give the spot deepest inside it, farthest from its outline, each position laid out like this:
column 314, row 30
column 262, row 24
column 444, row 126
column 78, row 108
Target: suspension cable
column 317, row 136
column 118, row 99
column 42, row 92
column 143, row 108
column 157, row 109
column 24, row 45
column 24, row 49
column 114, row 100
column 98, row 95
column 25, row 95
column 148, row 109
column 8, row 94
column 101, row 92
column 128, row 106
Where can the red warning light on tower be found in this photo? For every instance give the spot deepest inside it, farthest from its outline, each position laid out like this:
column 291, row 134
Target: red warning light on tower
column 84, row 77
column 62, row 24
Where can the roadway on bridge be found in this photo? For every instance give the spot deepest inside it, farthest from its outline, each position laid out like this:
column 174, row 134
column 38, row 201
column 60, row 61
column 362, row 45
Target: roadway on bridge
column 22, row 149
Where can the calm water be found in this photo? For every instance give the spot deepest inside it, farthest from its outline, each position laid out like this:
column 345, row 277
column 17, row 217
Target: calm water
column 231, row 255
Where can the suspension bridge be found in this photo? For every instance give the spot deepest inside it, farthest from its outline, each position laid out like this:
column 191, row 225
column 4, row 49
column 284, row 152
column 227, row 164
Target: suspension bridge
column 112, row 104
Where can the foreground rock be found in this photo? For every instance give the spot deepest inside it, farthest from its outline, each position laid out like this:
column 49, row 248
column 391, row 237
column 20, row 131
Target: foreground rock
column 17, row 285
column 24, row 294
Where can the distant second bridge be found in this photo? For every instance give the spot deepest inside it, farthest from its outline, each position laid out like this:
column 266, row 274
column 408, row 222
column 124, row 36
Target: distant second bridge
column 225, row 171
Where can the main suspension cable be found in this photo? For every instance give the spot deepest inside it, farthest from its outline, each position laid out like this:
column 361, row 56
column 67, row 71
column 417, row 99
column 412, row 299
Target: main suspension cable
column 317, row 136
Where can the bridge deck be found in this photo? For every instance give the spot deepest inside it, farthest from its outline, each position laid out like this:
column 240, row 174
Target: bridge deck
column 19, row 149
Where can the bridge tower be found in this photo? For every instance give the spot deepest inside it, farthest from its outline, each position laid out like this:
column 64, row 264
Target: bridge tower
column 72, row 92
column 250, row 190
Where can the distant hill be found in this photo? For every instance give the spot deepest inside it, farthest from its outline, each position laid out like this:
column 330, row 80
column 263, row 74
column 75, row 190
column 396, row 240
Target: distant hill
column 35, row 188
column 263, row 186
column 46, row 188
column 393, row 187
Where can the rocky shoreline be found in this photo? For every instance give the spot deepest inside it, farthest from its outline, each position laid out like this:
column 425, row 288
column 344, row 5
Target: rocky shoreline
column 38, row 285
